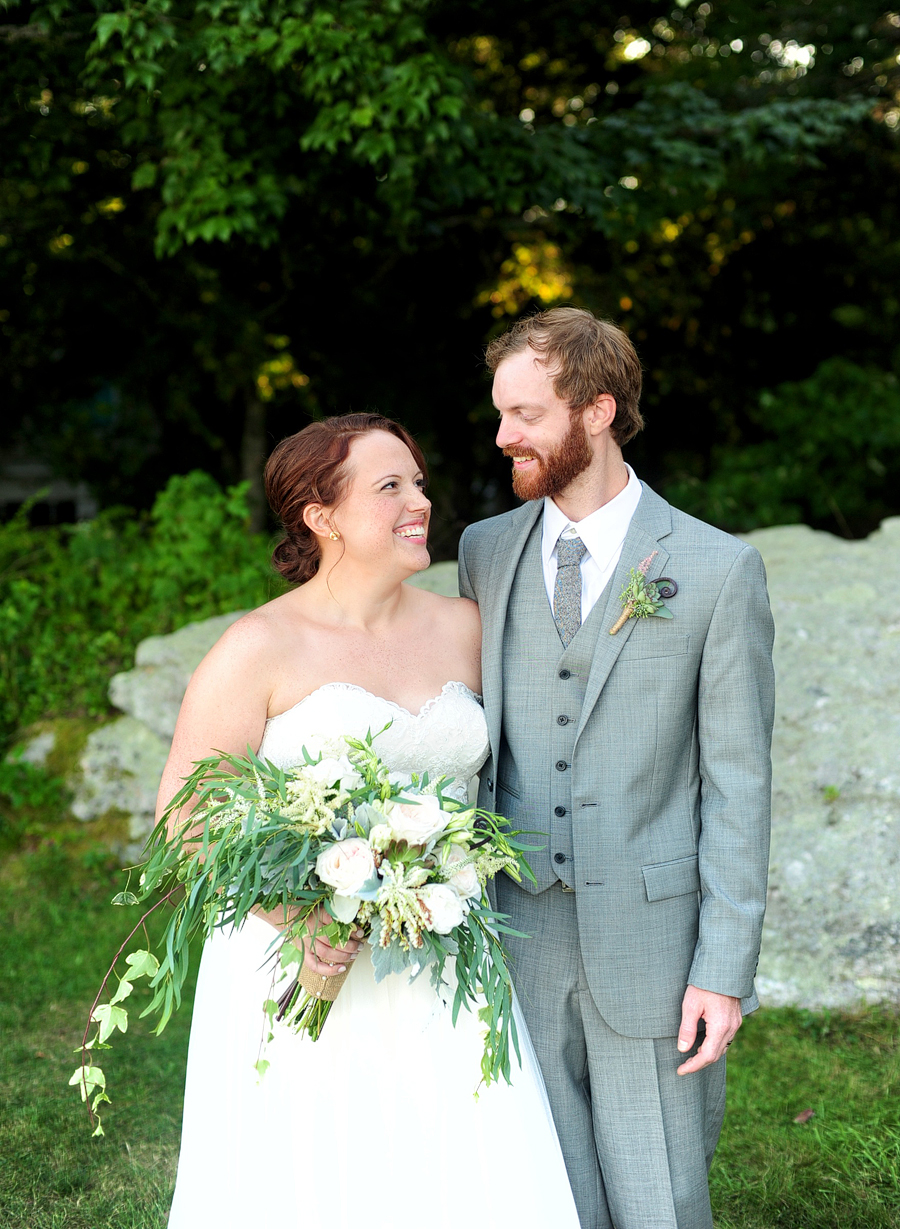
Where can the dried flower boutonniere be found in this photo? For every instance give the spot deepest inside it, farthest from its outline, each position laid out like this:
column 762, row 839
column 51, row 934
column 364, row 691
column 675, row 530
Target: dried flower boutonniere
column 642, row 598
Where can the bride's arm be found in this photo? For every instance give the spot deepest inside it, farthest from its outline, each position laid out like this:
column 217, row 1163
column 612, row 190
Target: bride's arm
column 224, row 708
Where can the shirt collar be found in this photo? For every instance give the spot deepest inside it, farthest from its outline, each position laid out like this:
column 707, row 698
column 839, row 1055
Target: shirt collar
column 603, row 532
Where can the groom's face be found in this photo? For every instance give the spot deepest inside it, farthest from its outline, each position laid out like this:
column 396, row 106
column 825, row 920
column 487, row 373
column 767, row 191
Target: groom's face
column 548, row 444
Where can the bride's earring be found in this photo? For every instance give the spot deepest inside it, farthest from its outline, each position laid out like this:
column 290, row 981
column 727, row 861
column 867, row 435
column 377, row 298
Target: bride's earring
column 334, row 535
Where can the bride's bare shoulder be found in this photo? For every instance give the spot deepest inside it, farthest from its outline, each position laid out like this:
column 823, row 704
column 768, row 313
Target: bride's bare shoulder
column 458, row 615
column 254, row 639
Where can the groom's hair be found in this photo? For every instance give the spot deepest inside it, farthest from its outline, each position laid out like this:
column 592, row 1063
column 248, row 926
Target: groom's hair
column 585, row 357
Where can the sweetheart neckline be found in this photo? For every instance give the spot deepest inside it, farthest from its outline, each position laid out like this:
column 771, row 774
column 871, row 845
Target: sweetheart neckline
column 423, row 711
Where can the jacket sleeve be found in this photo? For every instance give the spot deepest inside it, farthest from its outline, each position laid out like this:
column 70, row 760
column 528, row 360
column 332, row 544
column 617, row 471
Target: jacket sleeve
column 735, row 713
column 466, row 588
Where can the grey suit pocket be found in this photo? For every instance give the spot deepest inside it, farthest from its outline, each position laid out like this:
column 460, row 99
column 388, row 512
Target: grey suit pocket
column 666, row 879
column 503, row 788
column 639, row 648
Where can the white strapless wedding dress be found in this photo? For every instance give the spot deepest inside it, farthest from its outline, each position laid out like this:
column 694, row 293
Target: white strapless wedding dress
column 375, row 1124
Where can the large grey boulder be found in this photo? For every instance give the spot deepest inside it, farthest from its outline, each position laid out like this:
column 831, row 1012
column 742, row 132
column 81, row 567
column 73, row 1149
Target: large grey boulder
column 152, row 692
column 832, row 935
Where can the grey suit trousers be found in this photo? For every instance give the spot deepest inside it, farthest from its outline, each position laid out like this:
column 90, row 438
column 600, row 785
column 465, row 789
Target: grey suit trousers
column 654, row 1174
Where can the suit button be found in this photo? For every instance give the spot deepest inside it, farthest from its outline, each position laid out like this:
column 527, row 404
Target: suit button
column 561, row 765
column 559, row 857
column 559, row 811
column 565, row 674
column 562, row 720
column 490, row 784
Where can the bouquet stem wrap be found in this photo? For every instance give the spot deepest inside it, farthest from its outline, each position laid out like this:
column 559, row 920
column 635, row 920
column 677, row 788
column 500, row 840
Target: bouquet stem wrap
column 327, row 988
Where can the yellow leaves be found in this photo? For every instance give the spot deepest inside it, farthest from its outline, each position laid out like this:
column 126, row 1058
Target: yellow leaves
column 535, row 270
column 100, row 104
column 281, row 372
column 110, row 207
column 59, row 243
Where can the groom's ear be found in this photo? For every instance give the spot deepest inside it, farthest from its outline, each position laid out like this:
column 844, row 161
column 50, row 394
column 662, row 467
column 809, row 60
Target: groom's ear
column 599, row 415
column 315, row 518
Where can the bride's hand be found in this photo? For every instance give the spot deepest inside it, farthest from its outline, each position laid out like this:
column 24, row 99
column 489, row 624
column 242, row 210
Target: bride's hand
column 320, row 957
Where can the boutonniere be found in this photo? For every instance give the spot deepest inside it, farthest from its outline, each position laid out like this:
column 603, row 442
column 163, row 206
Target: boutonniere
column 642, row 598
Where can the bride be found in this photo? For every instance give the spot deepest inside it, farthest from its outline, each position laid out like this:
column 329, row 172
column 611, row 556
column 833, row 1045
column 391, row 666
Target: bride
column 376, row 1123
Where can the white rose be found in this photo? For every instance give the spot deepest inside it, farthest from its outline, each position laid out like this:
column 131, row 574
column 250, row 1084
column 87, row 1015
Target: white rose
column 380, row 836
column 346, row 865
column 466, row 880
column 344, row 908
column 444, row 905
column 336, row 771
column 417, row 822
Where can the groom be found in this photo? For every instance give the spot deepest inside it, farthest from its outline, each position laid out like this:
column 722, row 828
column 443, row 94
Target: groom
column 642, row 753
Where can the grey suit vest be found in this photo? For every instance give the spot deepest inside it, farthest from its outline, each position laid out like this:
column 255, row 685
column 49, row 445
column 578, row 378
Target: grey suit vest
column 543, row 693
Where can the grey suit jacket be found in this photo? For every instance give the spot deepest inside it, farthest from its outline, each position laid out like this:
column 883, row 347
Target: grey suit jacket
column 671, row 769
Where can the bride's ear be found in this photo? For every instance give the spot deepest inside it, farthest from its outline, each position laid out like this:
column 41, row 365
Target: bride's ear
column 316, row 519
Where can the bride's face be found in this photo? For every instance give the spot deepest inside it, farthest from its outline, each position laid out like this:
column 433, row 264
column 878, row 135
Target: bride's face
column 385, row 512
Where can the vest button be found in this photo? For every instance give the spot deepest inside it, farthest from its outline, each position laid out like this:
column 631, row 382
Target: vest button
column 559, row 857
column 565, row 674
column 559, row 811
column 562, row 720
column 561, row 765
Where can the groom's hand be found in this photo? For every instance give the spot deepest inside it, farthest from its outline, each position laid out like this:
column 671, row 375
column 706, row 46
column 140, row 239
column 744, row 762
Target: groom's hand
column 722, row 1016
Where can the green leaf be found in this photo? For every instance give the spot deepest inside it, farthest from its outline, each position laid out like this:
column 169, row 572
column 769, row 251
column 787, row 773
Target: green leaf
column 142, row 964
column 110, row 1018
column 125, row 988
column 124, row 898
column 87, row 1079
column 144, row 176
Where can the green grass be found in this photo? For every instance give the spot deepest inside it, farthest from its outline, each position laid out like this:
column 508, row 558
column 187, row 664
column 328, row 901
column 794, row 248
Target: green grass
column 841, row 1170
column 57, row 936
column 842, row 1167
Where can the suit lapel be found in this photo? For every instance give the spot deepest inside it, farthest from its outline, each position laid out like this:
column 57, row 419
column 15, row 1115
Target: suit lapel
column 507, row 551
column 651, row 522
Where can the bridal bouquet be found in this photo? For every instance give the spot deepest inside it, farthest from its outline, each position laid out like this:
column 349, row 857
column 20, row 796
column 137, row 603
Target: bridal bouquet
column 336, row 844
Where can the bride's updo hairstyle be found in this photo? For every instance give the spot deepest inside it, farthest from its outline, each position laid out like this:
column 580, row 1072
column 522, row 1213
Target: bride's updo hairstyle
column 310, row 468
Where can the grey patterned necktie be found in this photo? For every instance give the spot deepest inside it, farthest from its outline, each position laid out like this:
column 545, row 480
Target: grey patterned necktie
column 567, row 590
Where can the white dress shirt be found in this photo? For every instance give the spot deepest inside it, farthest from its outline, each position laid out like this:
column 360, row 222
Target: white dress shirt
column 603, row 533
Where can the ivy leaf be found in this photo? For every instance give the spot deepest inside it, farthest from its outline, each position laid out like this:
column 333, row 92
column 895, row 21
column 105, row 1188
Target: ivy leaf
column 110, row 1018
column 125, row 988
column 142, row 964
column 124, row 898
column 87, row 1079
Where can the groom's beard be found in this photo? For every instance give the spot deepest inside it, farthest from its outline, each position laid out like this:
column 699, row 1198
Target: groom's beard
column 556, row 469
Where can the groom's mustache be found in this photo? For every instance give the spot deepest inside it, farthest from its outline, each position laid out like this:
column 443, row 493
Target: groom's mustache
column 522, row 452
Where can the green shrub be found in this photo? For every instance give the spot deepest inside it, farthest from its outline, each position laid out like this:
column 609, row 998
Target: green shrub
column 827, row 455
column 76, row 600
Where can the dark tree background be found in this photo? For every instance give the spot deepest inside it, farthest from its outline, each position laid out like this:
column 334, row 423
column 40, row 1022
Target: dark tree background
column 220, row 219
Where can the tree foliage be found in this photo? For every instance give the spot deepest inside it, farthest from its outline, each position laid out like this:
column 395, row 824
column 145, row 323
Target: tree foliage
column 222, row 218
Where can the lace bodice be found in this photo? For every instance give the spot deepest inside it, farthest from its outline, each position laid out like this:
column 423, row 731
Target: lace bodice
column 447, row 736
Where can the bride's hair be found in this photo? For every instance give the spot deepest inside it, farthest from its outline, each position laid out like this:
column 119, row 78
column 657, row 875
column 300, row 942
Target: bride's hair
column 309, row 468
